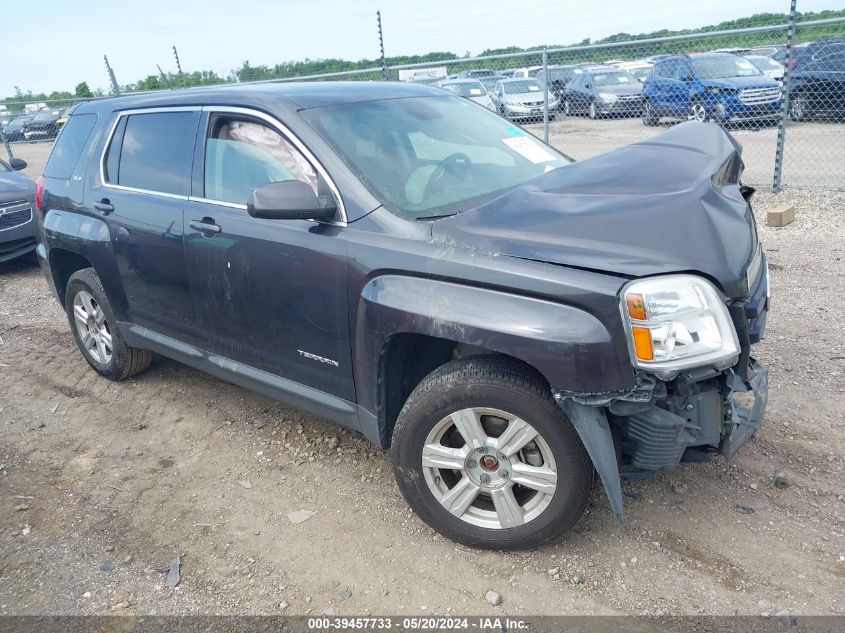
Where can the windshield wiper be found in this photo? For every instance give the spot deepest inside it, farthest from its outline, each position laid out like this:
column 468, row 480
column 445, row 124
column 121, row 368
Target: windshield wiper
column 435, row 217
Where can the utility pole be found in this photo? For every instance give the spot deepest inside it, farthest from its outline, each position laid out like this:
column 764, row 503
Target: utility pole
column 384, row 74
column 115, row 88
column 164, row 77
column 176, row 55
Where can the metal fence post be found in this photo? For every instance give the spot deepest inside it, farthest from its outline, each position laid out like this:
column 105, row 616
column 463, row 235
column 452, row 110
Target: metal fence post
column 545, row 95
column 784, row 114
column 384, row 75
column 6, row 143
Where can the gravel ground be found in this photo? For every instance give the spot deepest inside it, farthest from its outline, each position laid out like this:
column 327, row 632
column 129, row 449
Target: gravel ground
column 102, row 485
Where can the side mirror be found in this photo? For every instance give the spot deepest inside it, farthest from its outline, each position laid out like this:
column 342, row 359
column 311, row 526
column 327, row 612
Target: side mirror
column 589, row 86
column 17, row 163
column 289, row 200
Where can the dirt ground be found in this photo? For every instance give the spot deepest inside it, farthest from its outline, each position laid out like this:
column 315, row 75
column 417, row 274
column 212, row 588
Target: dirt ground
column 103, row 484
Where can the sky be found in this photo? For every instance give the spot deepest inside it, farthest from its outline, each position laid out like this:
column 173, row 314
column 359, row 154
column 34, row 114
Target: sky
column 55, row 44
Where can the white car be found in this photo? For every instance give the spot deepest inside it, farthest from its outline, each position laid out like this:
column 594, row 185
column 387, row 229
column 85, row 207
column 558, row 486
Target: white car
column 768, row 66
column 472, row 89
column 639, row 69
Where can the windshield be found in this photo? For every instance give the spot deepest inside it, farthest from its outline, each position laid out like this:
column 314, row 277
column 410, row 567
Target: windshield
column 724, row 67
column 4, row 167
column 46, row 115
column 520, row 87
column 640, row 73
column 612, row 78
column 432, row 156
column 466, row 88
column 765, row 63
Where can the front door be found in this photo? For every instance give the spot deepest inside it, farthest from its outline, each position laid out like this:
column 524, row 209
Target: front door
column 146, row 178
column 270, row 293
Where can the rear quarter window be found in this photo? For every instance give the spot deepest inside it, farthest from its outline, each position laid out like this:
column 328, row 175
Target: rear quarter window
column 69, row 145
column 156, row 152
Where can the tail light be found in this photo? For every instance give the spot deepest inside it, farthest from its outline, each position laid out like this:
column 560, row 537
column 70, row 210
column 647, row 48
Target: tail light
column 39, row 191
column 792, row 63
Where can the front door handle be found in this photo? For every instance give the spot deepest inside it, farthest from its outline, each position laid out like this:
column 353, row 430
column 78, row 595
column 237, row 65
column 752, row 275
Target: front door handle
column 206, row 226
column 104, row 205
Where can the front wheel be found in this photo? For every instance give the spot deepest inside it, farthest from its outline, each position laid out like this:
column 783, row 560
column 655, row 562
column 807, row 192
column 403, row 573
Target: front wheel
column 799, row 108
column 697, row 112
column 593, row 112
column 649, row 115
column 485, row 456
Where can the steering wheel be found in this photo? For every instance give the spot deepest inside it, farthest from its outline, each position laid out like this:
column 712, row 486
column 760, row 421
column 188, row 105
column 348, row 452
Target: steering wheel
column 456, row 161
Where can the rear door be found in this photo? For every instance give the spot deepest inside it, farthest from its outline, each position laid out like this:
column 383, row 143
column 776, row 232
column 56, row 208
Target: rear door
column 141, row 195
column 676, row 87
column 270, row 293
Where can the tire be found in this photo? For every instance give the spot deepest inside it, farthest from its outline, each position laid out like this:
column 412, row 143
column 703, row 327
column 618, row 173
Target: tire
column 592, row 111
column 502, row 403
column 649, row 114
column 799, row 108
column 567, row 108
column 697, row 111
column 94, row 328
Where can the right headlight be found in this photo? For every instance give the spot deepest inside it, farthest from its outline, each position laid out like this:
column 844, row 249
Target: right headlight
column 675, row 322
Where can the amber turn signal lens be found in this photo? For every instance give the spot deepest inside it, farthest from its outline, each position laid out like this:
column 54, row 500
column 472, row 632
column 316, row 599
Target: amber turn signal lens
column 642, row 343
column 636, row 306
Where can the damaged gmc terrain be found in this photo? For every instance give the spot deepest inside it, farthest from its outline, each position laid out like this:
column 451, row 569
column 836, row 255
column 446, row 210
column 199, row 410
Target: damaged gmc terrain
column 412, row 266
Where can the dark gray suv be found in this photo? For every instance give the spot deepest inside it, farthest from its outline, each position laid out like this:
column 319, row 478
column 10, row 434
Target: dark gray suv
column 411, row 266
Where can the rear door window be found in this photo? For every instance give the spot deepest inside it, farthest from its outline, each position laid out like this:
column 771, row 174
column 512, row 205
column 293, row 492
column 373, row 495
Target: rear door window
column 156, row 152
column 68, row 147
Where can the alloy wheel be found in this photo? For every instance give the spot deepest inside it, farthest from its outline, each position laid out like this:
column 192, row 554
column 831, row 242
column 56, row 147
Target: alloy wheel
column 697, row 112
column 93, row 329
column 489, row 468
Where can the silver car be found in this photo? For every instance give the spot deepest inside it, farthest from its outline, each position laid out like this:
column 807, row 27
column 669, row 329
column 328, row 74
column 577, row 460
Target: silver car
column 521, row 99
column 471, row 89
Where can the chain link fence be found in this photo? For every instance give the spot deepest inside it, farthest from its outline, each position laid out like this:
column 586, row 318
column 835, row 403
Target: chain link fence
column 779, row 89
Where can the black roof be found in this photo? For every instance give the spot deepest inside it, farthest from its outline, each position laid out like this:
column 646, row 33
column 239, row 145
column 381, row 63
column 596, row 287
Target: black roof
column 293, row 95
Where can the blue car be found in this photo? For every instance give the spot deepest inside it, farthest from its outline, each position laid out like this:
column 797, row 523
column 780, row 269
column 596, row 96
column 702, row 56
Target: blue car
column 720, row 87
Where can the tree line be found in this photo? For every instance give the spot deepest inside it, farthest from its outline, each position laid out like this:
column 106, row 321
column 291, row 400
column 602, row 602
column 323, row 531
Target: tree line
column 306, row 67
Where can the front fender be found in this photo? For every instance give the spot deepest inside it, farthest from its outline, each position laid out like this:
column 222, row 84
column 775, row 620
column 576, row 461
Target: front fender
column 570, row 347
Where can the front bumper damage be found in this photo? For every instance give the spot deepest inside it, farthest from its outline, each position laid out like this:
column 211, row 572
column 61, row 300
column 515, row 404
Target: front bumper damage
column 658, row 425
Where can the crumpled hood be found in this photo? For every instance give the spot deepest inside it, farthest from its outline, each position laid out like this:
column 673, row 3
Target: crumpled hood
column 668, row 204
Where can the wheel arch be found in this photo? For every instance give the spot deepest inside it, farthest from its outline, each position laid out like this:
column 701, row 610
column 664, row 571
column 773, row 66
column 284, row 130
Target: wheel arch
column 63, row 263
column 408, row 326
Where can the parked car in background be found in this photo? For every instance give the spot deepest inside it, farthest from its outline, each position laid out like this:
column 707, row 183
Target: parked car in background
column 720, row 87
column 476, row 73
column 5, row 117
column 765, row 51
column 817, row 81
column 766, row 65
column 521, row 99
column 17, row 196
column 44, row 125
column 797, row 50
column 601, row 91
column 639, row 69
column 525, row 73
column 472, row 89
column 558, row 76
column 14, row 129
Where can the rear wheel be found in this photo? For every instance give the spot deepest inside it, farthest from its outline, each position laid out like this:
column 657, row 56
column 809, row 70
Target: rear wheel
column 485, row 456
column 94, row 328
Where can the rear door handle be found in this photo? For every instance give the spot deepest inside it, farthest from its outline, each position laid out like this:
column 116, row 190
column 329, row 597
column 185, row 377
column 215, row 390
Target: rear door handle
column 206, row 225
column 104, row 205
